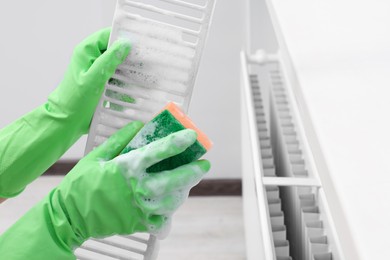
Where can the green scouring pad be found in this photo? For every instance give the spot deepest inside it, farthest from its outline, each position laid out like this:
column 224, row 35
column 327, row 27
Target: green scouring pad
column 170, row 120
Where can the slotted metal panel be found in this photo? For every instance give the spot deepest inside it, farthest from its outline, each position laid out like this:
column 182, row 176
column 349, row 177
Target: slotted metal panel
column 167, row 38
column 298, row 219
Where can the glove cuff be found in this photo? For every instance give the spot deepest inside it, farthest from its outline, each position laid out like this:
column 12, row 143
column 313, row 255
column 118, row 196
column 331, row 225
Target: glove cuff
column 73, row 119
column 6, row 195
column 44, row 232
column 30, row 145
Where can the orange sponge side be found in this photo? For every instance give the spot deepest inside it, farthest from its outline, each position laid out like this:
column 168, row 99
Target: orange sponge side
column 187, row 123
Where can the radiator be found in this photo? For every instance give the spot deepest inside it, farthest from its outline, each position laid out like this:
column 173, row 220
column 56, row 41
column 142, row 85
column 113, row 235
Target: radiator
column 285, row 208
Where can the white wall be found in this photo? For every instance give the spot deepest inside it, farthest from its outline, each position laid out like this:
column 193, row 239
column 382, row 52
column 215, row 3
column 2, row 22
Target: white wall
column 38, row 39
column 260, row 29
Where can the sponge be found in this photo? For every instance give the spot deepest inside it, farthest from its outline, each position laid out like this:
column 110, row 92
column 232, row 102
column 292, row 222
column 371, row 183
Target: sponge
column 171, row 119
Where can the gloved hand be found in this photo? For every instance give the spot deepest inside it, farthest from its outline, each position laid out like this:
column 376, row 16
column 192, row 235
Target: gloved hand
column 90, row 68
column 33, row 143
column 104, row 195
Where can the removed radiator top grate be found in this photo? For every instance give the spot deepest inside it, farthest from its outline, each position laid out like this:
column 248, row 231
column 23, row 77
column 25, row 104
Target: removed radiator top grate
column 167, row 38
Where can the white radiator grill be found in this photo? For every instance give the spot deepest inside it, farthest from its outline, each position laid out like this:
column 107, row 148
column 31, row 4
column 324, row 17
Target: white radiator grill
column 279, row 231
column 308, row 235
column 167, row 38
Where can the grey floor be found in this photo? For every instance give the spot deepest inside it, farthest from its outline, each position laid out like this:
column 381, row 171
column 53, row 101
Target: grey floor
column 204, row 228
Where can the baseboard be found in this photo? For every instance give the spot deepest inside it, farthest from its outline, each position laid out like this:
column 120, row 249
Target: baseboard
column 207, row 187
column 61, row 167
column 217, row 187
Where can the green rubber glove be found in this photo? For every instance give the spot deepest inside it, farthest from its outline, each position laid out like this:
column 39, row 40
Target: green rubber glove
column 33, row 143
column 102, row 196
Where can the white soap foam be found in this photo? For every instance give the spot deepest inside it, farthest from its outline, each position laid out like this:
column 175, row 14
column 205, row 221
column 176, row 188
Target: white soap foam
column 160, row 66
column 161, row 197
column 177, row 199
column 152, row 29
column 141, row 139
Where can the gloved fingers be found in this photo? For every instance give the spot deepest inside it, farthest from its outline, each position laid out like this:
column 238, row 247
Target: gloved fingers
column 164, row 148
column 183, row 177
column 117, row 142
column 97, row 41
column 105, row 65
column 156, row 222
column 88, row 50
column 164, row 205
